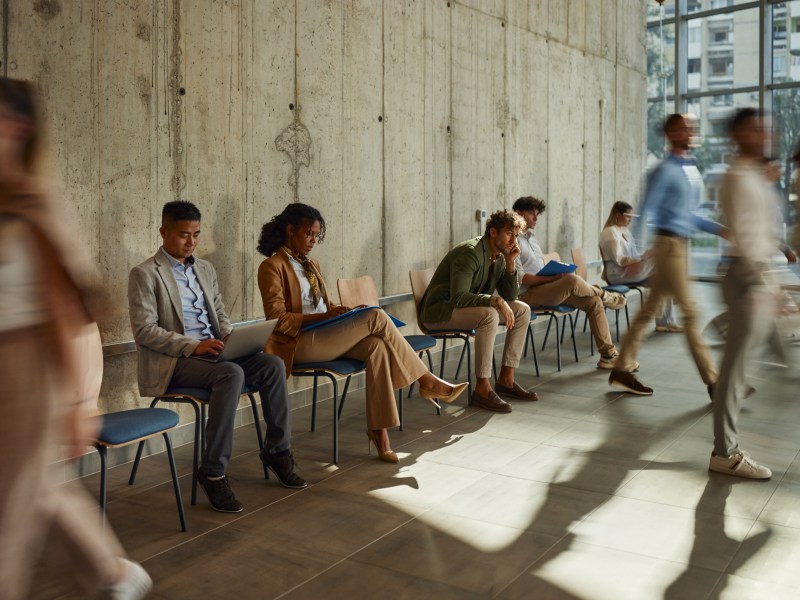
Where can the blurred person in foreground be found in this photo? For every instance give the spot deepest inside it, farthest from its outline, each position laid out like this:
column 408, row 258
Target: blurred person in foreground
column 624, row 264
column 668, row 196
column 748, row 201
column 49, row 385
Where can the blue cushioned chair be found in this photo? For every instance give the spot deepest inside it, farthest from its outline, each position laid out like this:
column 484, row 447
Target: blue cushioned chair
column 362, row 290
column 341, row 367
column 129, row 427
column 198, row 398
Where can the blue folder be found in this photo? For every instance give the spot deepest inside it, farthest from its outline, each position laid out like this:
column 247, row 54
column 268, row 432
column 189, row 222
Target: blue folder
column 349, row 315
column 555, row 267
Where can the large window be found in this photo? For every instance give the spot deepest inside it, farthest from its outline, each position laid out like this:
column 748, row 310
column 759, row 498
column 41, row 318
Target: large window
column 710, row 58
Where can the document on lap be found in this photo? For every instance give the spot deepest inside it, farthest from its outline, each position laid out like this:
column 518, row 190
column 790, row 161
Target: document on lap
column 555, row 267
column 349, row 315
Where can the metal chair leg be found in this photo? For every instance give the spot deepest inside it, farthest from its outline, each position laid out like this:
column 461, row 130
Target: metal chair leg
column 102, row 451
column 572, row 329
column 441, row 364
column 314, row 405
column 175, row 482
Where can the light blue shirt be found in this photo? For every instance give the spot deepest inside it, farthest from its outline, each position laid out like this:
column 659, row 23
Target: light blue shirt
column 668, row 201
column 196, row 323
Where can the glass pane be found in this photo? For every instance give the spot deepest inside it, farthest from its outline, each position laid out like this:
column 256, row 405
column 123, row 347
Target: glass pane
column 786, row 41
column 723, row 51
column 711, row 152
column 654, row 10
column 785, row 136
column 660, row 61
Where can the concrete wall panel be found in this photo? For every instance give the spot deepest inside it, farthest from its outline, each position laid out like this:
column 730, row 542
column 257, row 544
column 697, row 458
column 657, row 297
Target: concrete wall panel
column 269, row 67
column 362, row 143
column 213, row 82
column 631, row 47
column 631, row 133
column 531, row 15
column 494, row 8
column 557, row 20
column 565, row 165
column 599, row 157
column 479, row 118
column 577, row 23
column 319, row 48
column 404, row 167
column 435, row 235
column 526, row 144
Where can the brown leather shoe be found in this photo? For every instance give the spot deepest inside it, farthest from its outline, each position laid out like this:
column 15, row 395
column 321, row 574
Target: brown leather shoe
column 518, row 392
column 493, row 402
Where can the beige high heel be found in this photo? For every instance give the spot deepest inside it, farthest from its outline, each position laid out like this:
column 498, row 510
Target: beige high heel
column 430, row 395
column 387, row 456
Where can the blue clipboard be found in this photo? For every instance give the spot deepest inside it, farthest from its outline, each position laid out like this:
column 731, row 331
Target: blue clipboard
column 555, row 267
column 349, row 315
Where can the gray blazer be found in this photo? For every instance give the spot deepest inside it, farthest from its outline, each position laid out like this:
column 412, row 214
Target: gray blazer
column 156, row 313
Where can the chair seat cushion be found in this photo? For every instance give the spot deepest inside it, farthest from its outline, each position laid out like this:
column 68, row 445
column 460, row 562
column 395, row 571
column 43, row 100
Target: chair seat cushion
column 340, row 366
column 617, row 288
column 441, row 332
column 420, row 342
column 203, row 394
column 560, row 308
column 130, row 425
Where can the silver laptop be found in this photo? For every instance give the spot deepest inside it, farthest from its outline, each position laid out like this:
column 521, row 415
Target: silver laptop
column 244, row 341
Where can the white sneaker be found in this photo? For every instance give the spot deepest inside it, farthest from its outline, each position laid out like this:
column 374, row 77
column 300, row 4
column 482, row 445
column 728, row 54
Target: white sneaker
column 136, row 585
column 738, row 465
column 613, row 300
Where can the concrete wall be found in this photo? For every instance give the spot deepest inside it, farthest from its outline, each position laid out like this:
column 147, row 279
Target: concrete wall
column 397, row 118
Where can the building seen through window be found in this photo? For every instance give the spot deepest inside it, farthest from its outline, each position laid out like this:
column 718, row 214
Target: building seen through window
column 707, row 58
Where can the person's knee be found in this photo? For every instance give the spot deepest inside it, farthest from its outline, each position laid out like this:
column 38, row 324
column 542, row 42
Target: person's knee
column 521, row 310
column 272, row 365
column 229, row 372
column 490, row 319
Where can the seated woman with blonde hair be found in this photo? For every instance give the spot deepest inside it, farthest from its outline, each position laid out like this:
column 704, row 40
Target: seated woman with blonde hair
column 624, row 264
column 294, row 292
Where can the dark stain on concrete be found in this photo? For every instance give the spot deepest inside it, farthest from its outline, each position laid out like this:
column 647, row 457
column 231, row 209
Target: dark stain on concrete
column 145, row 90
column 47, row 9
column 143, row 32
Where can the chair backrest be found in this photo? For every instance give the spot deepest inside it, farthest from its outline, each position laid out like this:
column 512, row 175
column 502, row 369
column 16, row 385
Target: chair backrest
column 361, row 290
column 420, row 280
column 579, row 258
column 551, row 256
column 603, row 275
column 86, row 348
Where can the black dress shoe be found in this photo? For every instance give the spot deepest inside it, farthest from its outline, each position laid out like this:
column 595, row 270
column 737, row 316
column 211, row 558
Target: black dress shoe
column 493, row 402
column 283, row 468
column 219, row 493
column 518, row 392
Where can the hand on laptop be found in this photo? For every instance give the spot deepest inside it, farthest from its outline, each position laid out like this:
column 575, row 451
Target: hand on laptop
column 212, row 347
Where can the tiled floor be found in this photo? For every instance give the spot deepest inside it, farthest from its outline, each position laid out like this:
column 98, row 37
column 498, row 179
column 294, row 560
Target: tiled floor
column 587, row 493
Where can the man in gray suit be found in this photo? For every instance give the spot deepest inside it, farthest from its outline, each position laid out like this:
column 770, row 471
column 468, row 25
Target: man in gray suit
column 177, row 315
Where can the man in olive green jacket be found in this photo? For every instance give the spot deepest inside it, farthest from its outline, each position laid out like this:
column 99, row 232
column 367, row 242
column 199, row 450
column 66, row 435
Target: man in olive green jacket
column 460, row 296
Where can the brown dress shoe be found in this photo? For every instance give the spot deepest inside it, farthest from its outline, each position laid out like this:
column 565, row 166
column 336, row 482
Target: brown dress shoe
column 518, row 392
column 493, row 402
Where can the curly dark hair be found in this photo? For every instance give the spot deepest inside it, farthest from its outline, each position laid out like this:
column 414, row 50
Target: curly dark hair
column 273, row 233
column 502, row 219
column 529, row 203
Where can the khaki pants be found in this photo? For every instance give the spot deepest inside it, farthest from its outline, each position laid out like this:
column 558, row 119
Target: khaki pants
column 371, row 337
column 575, row 291
column 486, row 321
column 670, row 280
column 37, row 515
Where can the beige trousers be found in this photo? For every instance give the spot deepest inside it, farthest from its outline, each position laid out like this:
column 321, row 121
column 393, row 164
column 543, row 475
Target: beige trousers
column 485, row 320
column 37, row 515
column 670, row 280
column 575, row 291
column 371, row 337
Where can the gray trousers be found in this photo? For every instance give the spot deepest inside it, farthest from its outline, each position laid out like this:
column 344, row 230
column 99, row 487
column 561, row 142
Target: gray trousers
column 749, row 310
column 225, row 380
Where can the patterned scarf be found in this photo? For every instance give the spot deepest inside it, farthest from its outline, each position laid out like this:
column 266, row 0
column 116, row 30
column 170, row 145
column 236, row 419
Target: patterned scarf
column 310, row 273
